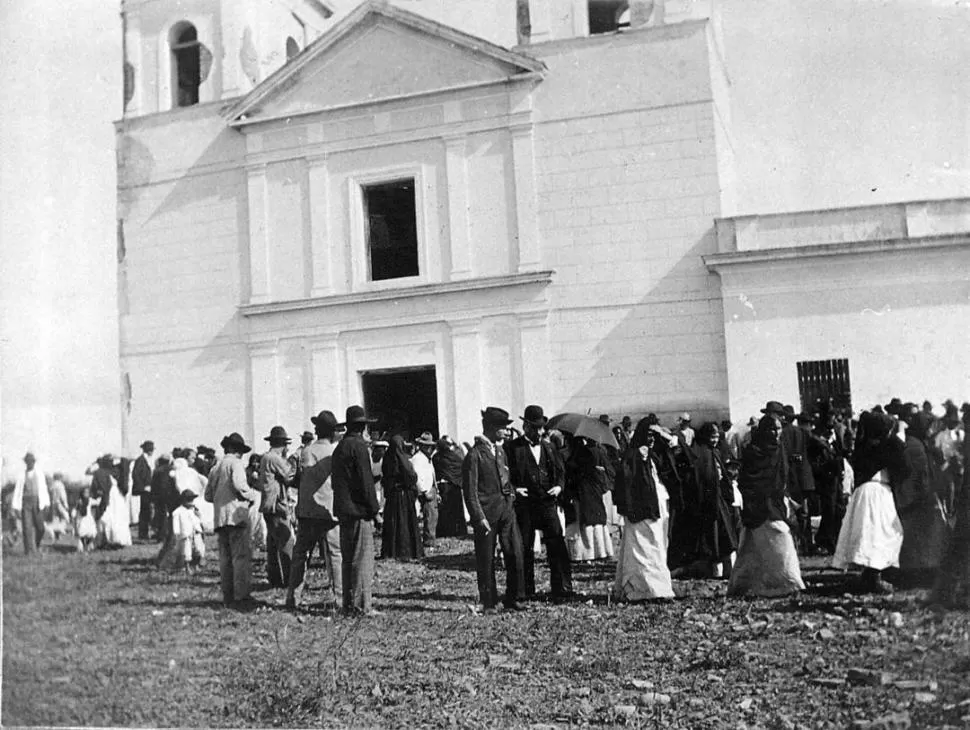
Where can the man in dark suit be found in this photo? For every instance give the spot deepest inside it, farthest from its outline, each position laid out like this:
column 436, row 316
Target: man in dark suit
column 537, row 474
column 488, row 496
column 141, row 486
column 355, row 507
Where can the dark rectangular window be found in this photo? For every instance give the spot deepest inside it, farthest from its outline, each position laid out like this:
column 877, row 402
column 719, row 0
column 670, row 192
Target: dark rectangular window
column 608, row 16
column 392, row 229
column 823, row 379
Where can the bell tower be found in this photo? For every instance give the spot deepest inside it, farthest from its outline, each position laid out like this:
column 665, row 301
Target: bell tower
column 180, row 54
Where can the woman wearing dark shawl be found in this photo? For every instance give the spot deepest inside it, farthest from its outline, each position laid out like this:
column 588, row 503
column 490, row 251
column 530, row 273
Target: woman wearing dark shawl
column 447, row 462
column 717, row 531
column 589, row 476
column 925, row 527
column 871, row 534
column 400, row 538
column 642, row 499
column 767, row 563
column 952, row 587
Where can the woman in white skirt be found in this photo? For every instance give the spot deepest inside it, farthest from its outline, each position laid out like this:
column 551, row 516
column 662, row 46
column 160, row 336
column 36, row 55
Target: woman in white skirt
column 642, row 499
column 767, row 563
column 589, row 477
column 872, row 534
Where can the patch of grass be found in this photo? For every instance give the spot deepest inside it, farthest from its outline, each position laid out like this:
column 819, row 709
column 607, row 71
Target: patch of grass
column 105, row 639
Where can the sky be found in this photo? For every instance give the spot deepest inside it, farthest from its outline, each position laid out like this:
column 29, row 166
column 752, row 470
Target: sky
column 834, row 103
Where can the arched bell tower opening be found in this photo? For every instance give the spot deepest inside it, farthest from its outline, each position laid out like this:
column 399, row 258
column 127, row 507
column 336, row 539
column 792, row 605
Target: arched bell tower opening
column 186, row 64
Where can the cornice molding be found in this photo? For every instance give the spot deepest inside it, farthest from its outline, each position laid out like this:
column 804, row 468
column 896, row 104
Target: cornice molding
column 383, row 295
column 735, row 259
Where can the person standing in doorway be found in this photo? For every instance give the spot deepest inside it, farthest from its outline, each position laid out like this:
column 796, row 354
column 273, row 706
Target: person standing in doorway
column 489, row 498
column 30, row 498
column 141, row 486
column 427, row 487
column 276, row 473
column 537, row 473
column 355, row 507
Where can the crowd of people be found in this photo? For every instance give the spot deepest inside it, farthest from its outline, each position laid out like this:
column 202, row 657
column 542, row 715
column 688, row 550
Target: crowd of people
column 881, row 492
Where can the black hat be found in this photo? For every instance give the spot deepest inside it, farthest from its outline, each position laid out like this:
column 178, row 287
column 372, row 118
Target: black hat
column 496, row 416
column 235, row 442
column 894, row 407
column 773, row 408
column 425, row 439
column 277, row 434
column 324, row 418
column 534, row 416
column 307, row 437
column 148, row 446
column 605, row 418
column 626, row 420
column 789, row 411
column 187, row 496
column 356, row 414
column 104, row 460
column 206, row 450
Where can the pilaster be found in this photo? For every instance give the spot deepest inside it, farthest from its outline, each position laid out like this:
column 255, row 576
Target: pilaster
column 466, row 351
column 259, row 267
column 456, row 166
column 320, row 244
column 327, row 377
column 523, row 157
column 264, row 383
column 536, row 360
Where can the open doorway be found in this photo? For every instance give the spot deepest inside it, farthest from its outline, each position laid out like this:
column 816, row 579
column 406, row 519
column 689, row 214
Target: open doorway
column 404, row 400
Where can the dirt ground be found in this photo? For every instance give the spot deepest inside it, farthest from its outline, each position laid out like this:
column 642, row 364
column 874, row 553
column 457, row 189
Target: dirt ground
column 107, row 639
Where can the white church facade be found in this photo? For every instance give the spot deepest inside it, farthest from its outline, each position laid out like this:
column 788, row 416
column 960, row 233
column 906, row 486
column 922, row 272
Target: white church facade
column 430, row 209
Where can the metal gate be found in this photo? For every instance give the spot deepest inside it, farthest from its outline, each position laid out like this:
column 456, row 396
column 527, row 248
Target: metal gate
column 824, row 379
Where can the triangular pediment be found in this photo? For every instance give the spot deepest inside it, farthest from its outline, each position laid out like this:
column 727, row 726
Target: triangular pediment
column 377, row 53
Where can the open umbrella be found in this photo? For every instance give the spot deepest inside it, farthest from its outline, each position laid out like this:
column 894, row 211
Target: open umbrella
column 579, row 425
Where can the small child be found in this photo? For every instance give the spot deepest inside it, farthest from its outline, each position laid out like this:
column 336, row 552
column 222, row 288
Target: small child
column 85, row 527
column 187, row 529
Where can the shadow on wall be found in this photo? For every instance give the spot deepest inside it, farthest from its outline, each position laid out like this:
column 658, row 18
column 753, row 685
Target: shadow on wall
column 200, row 225
column 666, row 355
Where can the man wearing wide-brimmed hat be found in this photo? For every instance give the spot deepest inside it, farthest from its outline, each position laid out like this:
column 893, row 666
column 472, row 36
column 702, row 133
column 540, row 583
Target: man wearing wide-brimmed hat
column 141, row 486
column 355, row 507
column 538, row 475
column 231, row 496
column 314, row 510
column 427, row 489
column 489, row 497
column 276, row 474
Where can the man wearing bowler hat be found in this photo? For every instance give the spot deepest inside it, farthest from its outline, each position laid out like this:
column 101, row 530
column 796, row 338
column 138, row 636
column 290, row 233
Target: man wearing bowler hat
column 538, row 476
column 314, row 510
column 141, row 486
column 276, row 474
column 355, row 507
column 231, row 496
column 489, row 498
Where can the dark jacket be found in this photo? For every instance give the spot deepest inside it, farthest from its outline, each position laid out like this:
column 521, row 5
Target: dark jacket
column 635, row 494
column 141, row 476
column 794, row 440
column 485, row 481
column 101, row 489
column 539, row 478
column 354, row 497
column 762, row 483
column 912, row 484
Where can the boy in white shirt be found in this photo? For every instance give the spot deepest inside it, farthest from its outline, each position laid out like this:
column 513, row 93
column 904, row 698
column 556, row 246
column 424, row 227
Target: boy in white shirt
column 187, row 528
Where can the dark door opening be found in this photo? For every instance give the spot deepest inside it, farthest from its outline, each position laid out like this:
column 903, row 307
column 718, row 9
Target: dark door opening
column 404, row 401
